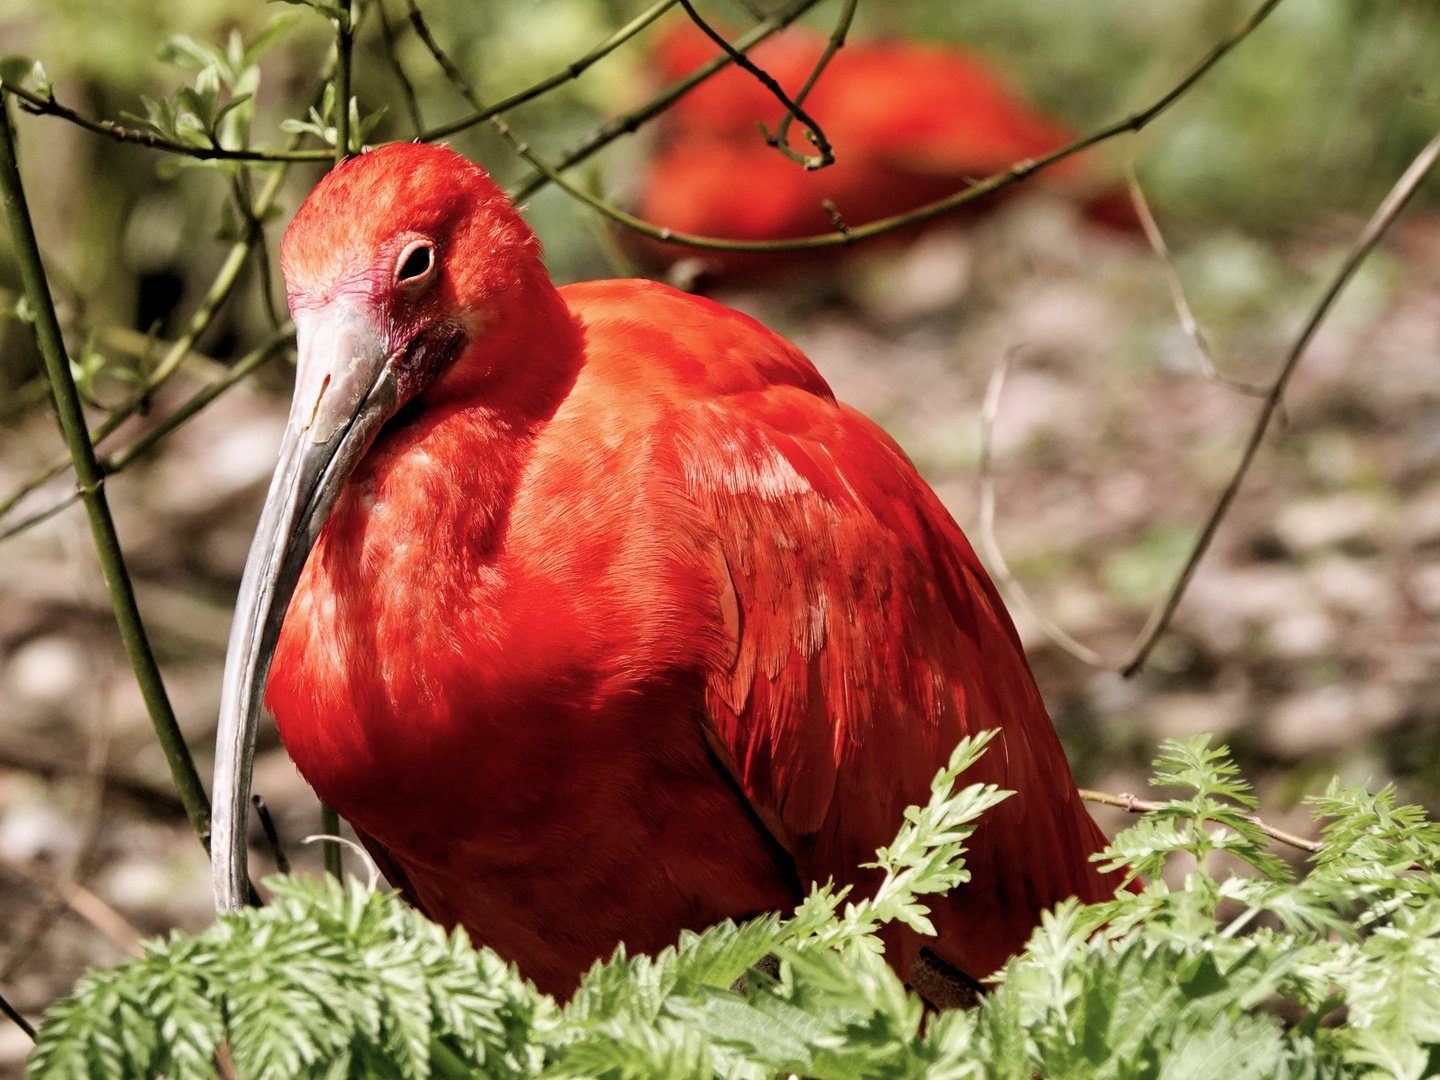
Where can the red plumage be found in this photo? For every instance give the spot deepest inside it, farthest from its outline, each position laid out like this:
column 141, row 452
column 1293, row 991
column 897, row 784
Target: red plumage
column 910, row 122
column 626, row 625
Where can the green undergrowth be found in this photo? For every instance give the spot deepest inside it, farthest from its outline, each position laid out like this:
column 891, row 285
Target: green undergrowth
column 1235, row 974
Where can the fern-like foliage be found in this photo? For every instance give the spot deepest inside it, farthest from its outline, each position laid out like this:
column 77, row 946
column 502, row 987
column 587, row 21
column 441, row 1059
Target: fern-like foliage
column 1250, row 975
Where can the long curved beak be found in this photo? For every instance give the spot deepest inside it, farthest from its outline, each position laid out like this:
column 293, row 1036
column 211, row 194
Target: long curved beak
column 344, row 392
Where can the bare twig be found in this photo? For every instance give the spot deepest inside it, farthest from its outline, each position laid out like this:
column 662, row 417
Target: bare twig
column 793, row 108
column 1177, row 292
column 330, row 845
column 999, row 568
column 572, row 71
column 836, row 42
column 14, row 1014
column 629, row 122
column 1136, row 805
column 1162, row 613
column 272, row 837
column 1374, row 229
column 1016, row 173
column 91, row 483
column 392, row 52
column 83, row 903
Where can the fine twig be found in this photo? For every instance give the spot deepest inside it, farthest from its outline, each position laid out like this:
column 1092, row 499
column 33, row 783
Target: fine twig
column 1144, row 806
column 122, row 458
column 91, row 481
column 629, row 122
column 1161, row 614
column 82, row 902
column 792, row 108
column 330, row 845
column 392, row 53
column 999, row 568
column 14, row 1014
column 836, row 42
column 272, row 835
column 1374, row 229
column 1019, row 171
column 1177, row 292
column 572, row 71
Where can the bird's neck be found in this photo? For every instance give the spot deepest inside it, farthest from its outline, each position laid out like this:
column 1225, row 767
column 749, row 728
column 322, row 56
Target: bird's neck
column 479, row 420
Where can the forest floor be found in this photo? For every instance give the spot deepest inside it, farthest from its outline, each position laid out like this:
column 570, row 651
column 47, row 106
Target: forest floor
column 1307, row 640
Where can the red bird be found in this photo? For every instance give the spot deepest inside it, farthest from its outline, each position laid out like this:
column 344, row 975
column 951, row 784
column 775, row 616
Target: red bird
column 910, row 123
column 616, row 622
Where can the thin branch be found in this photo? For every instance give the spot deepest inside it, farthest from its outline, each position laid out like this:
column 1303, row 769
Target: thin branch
column 344, row 39
column 792, row 108
column 120, row 459
column 83, row 903
column 1177, row 292
column 836, row 42
column 407, row 90
column 1374, row 229
column 14, row 1014
column 329, row 844
column 572, row 71
column 1016, row 173
column 91, row 483
column 272, row 837
column 999, row 568
column 630, row 122
column 1144, row 806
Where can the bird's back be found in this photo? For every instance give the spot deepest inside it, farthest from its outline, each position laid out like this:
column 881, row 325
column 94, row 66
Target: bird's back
column 857, row 637
column 662, row 652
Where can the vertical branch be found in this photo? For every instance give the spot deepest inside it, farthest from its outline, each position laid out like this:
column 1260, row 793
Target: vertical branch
column 344, row 39
column 329, row 847
column 90, row 480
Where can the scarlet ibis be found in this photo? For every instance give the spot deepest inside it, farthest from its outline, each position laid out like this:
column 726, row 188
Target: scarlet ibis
column 607, row 619
column 911, row 122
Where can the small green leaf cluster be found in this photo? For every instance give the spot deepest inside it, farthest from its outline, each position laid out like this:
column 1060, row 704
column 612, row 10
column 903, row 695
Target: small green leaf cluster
column 1236, row 975
column 196, row 115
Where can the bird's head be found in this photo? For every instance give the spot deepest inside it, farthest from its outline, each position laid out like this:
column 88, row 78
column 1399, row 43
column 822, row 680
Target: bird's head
column 408, row 274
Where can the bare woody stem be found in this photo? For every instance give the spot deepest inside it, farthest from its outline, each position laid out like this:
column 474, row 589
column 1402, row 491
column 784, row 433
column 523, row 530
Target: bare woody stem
column 845, row 237
column 1374, row 229
column 92, row 492
column 632, row 121
column 792, row 108
column 836, row 42
column 1144, row 806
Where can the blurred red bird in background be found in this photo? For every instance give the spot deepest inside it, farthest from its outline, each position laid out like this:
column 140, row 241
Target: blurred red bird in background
column 910, row 122
column 608, row 620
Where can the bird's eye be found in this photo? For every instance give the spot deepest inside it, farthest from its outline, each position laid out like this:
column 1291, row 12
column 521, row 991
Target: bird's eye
column 416, row 261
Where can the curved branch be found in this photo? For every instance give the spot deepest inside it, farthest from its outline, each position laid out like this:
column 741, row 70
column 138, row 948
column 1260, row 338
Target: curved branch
column 572, row 71
column 836, row 42
column 792, row 108
column 630, row 122
column 1135, row 805
column 1374, row 229
column 1017, row 172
